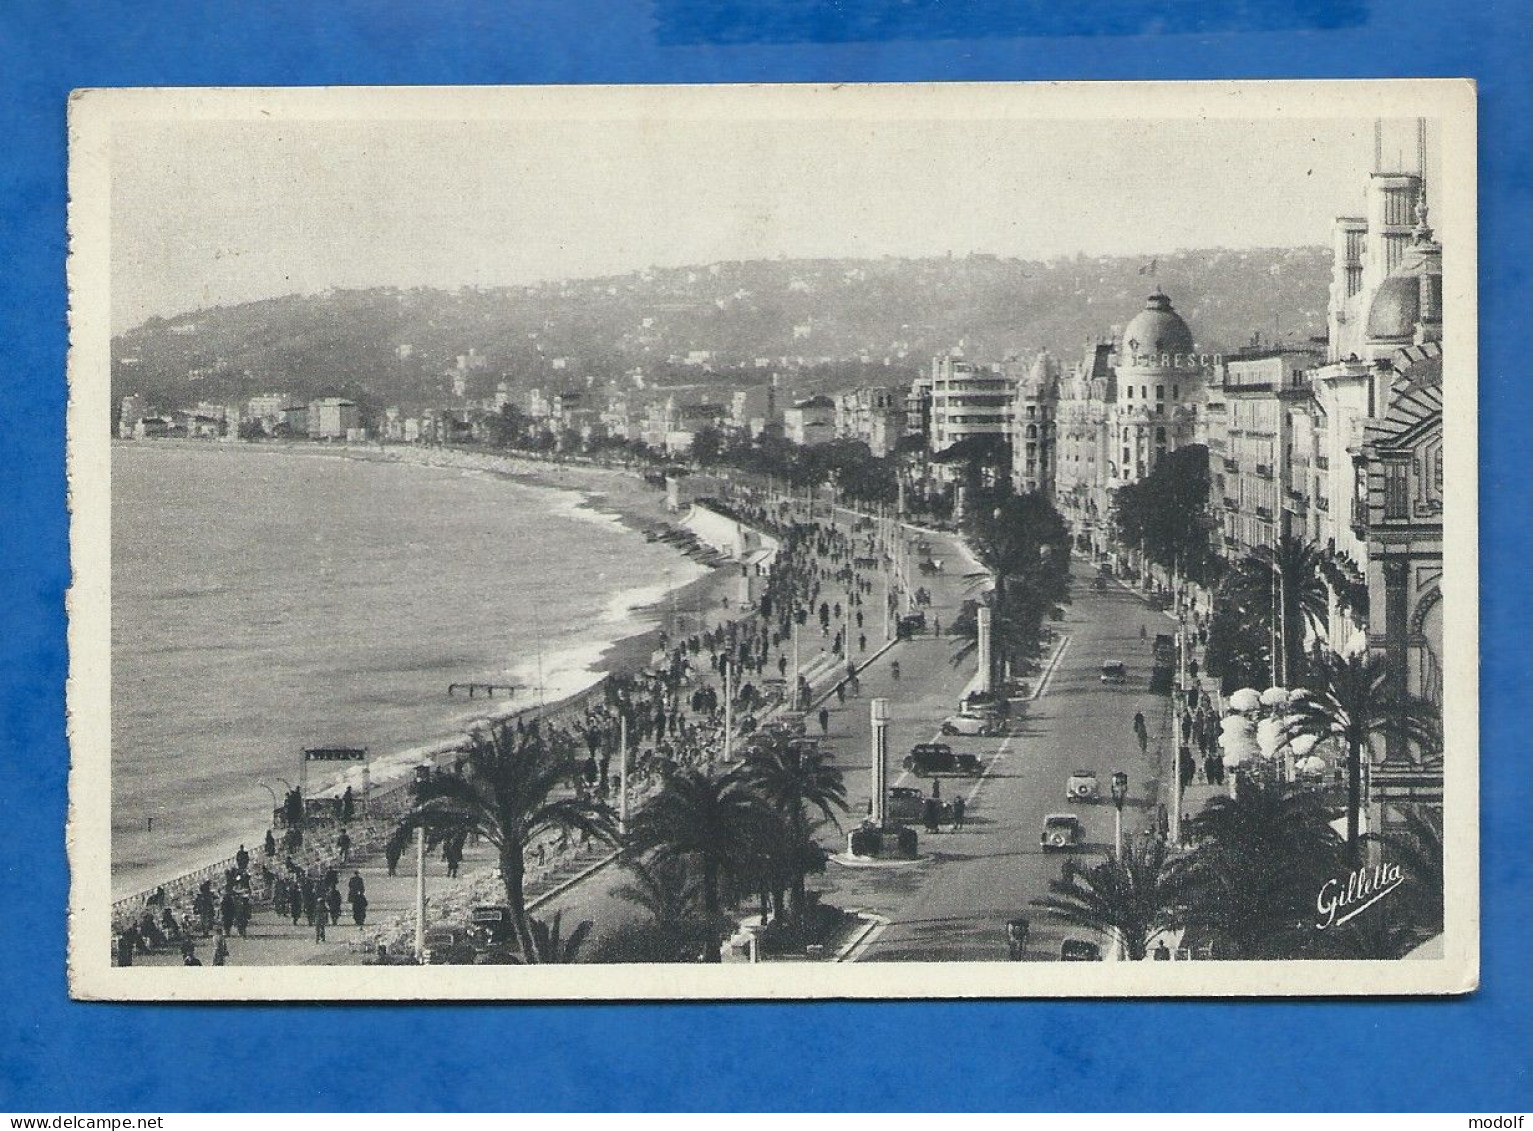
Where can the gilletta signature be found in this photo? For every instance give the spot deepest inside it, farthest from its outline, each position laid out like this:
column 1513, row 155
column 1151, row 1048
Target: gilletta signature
column 1340, row 900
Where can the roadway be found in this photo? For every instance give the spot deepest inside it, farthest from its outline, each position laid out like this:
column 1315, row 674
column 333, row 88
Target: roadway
column 954, row 905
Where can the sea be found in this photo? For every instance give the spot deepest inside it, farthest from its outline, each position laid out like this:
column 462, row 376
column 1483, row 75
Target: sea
column 264, row 602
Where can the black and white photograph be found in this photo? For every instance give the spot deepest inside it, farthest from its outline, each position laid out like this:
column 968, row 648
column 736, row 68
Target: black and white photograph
column 867, row 541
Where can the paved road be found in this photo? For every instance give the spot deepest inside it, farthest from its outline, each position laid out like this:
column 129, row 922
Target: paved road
column 955, row 905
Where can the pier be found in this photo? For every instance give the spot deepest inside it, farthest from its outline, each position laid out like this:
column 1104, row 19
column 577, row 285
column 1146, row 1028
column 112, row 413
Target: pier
column 489, row 689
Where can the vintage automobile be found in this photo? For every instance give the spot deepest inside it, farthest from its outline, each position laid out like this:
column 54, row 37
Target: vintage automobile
column 490, row 926
column 1061, row 831
column 1082, row 786
column 447, row 946
column 1114, row 673
column 927, row 759
column 1098, row 584
column 972, row 725
column 906, row 803
column 987, row 704
column 912, row 623
column 1079, row 950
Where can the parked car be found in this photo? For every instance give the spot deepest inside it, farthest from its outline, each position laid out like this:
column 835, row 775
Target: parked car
column 447, row 946
column 1079, row 950
column 912, row 623
column 989, row 705
column 927, row 759
column 1114, row 673
column 491, row 927
column 906, row 803
column 971, row 725
column 1083, row 786
column 1061, row 831
column 1099, row 584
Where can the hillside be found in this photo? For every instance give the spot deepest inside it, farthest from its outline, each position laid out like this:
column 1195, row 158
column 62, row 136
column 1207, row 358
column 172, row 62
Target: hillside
column 873, row 319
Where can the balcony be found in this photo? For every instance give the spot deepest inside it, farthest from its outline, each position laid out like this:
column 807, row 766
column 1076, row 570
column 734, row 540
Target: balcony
column 1264, row 471
column 1231, row 464
column 1264, row 512
column 1231, row 504
column 1322, row 503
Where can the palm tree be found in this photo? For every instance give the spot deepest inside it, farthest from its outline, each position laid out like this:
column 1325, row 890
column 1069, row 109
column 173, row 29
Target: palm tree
column 664, row 886
column 1258, row 861
column 713, row 820
column 1288, row 581
column 549, row 944
column 1131, row 898
column 794, row 780
column 508, row 793
column 1356, row 697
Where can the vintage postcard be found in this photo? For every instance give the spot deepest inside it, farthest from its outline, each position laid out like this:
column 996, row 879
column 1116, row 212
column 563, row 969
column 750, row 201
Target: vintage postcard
column 773, row 541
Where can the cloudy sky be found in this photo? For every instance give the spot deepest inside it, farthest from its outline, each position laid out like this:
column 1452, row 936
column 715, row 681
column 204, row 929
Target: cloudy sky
column 212, row 212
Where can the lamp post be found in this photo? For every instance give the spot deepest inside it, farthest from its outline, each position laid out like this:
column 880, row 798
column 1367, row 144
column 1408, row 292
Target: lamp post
column 622, row 772
column 1119, row 796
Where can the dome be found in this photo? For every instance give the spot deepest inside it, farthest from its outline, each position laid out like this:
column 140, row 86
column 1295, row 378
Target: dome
column 1395, row 310
column 1157, row 329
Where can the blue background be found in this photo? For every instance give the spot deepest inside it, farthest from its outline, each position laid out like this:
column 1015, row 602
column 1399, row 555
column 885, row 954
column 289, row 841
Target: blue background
column 1470, row 1054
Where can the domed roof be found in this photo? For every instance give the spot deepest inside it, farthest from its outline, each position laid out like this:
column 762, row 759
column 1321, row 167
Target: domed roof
column 1395, row 309
column 1157, row 329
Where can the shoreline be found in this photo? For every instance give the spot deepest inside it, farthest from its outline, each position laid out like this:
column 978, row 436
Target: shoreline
column 618, row 494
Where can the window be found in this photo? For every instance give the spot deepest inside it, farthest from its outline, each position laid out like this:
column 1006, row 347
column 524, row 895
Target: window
column 1130, row 390
column 1160, row 392
column 1396, row 490
column 1144, row 392
column 1176, row 392
column 1160, row 435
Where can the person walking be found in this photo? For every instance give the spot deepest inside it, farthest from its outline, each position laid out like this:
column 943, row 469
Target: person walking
column 958, row 809
column 270, row 845
column 894, row 670
column 319, row 925
column 1141, row 731
column 359, row 908
column 242, row 860
column 343, row 846
column 932, row 811
column 1144, row 633
column 824, row 720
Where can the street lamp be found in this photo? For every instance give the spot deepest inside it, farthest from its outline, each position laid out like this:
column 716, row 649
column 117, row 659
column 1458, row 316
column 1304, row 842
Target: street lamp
column 1119, row 796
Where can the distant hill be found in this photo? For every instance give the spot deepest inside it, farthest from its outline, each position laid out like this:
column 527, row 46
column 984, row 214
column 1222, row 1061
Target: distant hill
column 876, row 320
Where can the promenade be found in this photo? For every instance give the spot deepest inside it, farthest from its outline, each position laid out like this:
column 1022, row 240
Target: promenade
column 954, row 902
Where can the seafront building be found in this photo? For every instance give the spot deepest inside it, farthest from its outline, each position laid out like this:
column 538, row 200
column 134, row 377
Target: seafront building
column 1260, row 443
column 1033, row 421
column 333, row 418
column 811, row 421
column 874, row 414
column 967, row 400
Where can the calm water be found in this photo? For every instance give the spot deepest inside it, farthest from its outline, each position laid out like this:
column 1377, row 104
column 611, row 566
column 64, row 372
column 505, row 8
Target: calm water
column 264, row 602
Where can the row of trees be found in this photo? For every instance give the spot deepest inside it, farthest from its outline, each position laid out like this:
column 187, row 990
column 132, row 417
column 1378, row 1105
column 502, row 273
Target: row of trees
column 1024, row 546
column 1253, row 881
column 705, row 841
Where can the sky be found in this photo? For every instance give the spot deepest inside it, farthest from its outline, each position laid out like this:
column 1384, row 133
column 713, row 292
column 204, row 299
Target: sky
column 219, row 212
